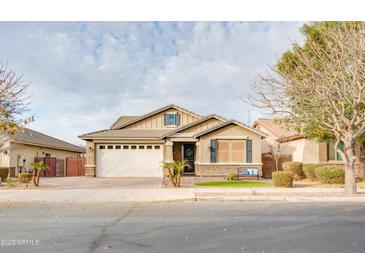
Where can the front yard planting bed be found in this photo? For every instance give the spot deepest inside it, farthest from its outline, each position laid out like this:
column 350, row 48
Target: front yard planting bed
column 235, row 183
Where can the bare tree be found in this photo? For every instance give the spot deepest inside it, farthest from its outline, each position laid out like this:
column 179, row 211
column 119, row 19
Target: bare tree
column 13, row 102
column 275, row 154
column 325, row 93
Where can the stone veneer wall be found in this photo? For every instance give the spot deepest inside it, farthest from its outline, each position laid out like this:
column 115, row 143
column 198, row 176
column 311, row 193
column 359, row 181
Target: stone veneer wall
column 90, row 159
column 221, row 169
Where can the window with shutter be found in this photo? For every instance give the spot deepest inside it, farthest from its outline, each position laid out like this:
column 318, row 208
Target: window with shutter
column 248, row 151
column 165, row 120
column 171, row 119
column 213, row 151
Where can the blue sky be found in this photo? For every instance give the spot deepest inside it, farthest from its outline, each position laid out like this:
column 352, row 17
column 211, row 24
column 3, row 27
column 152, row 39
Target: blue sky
column 84, row 75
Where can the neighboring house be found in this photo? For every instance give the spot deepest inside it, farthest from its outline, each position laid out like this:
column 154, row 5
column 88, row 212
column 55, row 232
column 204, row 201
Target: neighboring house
column 137, row 146
column 301, row 149
column 20, row 150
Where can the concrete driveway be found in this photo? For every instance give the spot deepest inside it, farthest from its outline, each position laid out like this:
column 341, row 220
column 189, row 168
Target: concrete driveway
column 102, row 183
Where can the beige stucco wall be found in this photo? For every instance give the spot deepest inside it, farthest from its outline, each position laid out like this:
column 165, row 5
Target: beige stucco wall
column 18, row 152
column 230, row 132
column 305, row 151
column 268, row 142
column 301, row 150
column 156, row 121
column 5, row 156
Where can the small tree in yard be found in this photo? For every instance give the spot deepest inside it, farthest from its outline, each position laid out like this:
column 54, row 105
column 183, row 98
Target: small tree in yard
column 319, row 89
column 175, row 170
column 37, row 167
column 275, row 155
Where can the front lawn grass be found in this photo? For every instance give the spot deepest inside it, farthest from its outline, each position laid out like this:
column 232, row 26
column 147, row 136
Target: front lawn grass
column 235, row 183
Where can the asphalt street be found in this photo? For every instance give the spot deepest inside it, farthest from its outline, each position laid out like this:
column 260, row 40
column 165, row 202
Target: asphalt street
column 183, row 227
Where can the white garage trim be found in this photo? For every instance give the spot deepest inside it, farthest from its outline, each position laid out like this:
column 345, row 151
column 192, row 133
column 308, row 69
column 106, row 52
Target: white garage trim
column 129, row 160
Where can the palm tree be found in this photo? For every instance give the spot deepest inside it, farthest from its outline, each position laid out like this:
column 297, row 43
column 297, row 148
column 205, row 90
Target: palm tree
column 175, row 170
column 170, row 169
column 37, row 168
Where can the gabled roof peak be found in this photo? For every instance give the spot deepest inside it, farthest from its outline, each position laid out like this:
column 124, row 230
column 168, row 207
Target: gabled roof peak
column 140, row 118
column 226, row 123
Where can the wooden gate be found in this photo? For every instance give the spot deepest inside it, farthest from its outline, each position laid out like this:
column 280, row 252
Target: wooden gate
column 60, row 168
column 75, row 166
column 52, row 166
column 268, row 164
column 56, row 167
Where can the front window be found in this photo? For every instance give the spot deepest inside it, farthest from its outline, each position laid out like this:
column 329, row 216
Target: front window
column 331, row 154
column 230, row 151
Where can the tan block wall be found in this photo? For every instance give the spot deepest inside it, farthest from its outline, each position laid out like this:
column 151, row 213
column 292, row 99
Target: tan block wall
column 221, row 169
column 156, row 121
column 29, row 152
column 230, row 131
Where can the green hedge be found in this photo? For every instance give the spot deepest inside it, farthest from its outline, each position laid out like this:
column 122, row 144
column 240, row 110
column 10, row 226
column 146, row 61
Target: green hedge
column 24, row 178
column 330, row 175
column 309, row 169
column 282, row 178
column 4, row 172
column 296, row 168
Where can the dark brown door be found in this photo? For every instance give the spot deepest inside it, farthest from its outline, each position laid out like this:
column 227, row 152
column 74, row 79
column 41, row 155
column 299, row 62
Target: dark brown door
column 189, row 155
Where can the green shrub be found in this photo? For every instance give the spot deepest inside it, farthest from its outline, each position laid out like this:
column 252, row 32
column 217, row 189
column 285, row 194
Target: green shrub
column 308, row 170
column 4, row 172
column 296, row 168
column 231, row 177
column 24, row 178
column 10, row 182
column 330, row 175
column 282, row 178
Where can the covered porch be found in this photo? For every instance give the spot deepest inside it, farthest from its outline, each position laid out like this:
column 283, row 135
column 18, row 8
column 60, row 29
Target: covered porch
column 185, row 149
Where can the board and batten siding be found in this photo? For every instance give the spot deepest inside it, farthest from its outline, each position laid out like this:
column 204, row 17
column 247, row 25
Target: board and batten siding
column 156, row 121
column 202, row 126
column 227, row 132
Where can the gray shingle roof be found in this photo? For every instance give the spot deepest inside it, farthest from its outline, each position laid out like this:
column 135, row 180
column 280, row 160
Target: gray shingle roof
column 226, row 124
column 196, row 122
column 29, row 136
column 122, row 120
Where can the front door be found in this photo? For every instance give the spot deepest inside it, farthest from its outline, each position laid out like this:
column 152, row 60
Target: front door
column 189, row 155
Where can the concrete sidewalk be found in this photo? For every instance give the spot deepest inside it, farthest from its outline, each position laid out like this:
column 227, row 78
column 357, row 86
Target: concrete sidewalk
column 180, row 194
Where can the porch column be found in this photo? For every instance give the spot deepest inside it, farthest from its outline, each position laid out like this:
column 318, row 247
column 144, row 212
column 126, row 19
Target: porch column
column 169, row 155
column 197, row 152
column 90, row 159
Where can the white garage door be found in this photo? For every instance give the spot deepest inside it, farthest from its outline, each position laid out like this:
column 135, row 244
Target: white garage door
column 129, row 160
